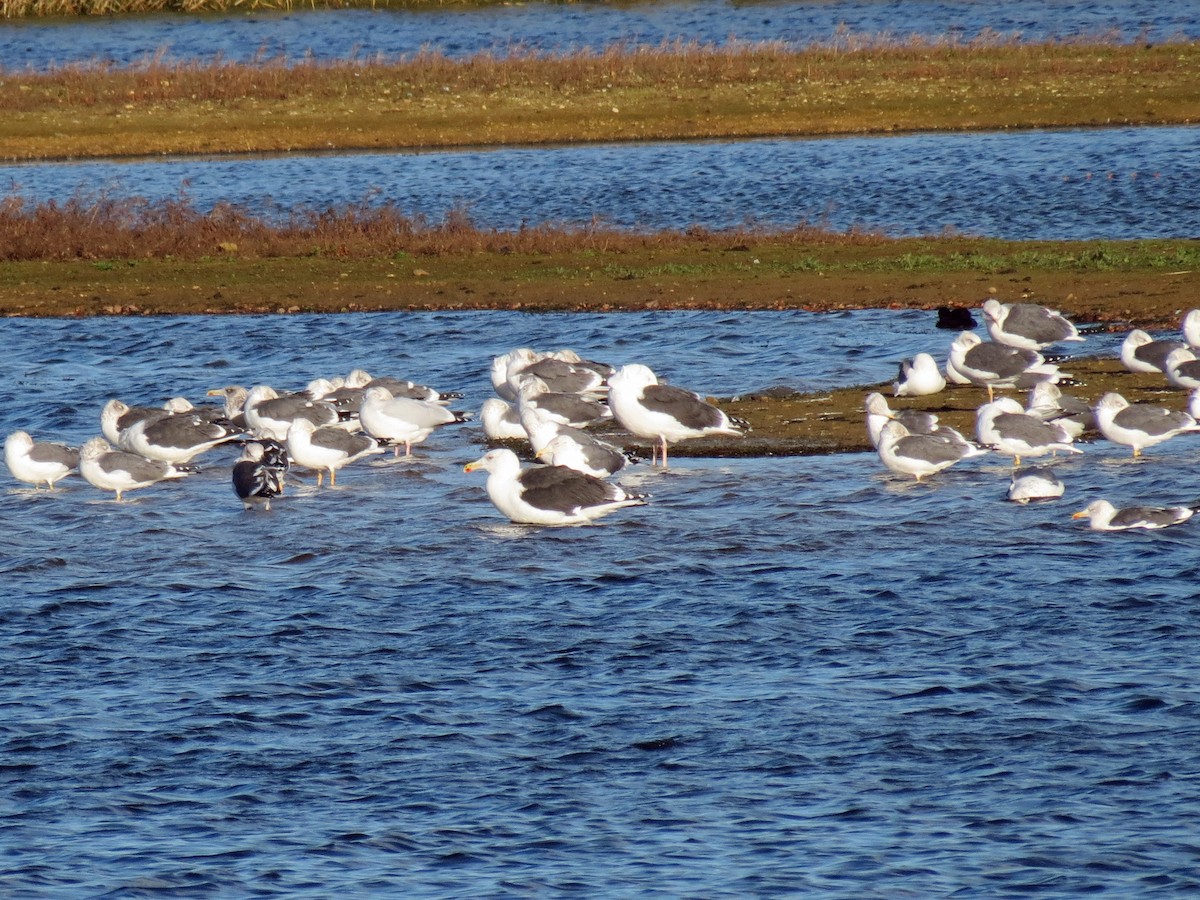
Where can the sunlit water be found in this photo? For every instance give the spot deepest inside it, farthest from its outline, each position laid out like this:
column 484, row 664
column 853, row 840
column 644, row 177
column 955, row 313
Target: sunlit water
column 545, row 27
column 1080, row 184
column 782, row 676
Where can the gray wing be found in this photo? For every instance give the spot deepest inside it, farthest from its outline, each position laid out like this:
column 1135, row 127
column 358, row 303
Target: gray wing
column 184, row 432
column 48, row 452
column 999, row 360
column 927, row 448
column 1148, row 517
column 1155, row 353
column 286, row 409
column 138, row 467
column 564, row 376
column 1022, row 427
column 1151, row 420
column 601, row 456
column 1037, row 323
column 565, row 490
column 570, row 406
column 684, row 406
column 343, row 441
column 1189, row 368
column 916, row 421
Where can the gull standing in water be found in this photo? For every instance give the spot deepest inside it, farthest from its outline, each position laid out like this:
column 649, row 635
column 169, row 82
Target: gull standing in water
column 920, row 455
column 548, row 495
column 327, row 449
column 119, row 471
column 38, row 462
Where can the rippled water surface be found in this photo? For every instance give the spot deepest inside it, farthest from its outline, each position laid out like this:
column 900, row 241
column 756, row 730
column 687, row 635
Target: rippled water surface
column 549, row 27
column 782, row 676
column 1108, row 184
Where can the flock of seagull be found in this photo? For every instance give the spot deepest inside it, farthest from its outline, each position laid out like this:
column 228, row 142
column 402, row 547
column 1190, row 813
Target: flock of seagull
column 912, row 442
column 547, row 398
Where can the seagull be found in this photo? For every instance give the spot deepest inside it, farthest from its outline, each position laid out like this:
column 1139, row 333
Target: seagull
column 38, row 462
column 120, row 471
column 234, row 403
column 660, row 411
column 1142, row 353
column 1026, row 325
column 500, row 421
column 1048, row 403
column 559, row 375
column 327, row 448
column 919, row 377
column 1182, row 369
column 548, row 495
column 1005, row 427
column 270, row 416
column 919, row 455
column 176, row 438
column 1034, row 483
column 255, row 479
column 401, row 420
column 879, row 413
column 563, row 407
column 398, row 387
column 116, row 418
column 592, row 457
column 1191, row 328
column 1139, row 425
column 1103, row 516
column 993, row 365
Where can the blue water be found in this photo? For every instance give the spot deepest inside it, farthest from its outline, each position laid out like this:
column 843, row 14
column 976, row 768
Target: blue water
column 1070, row 184
column 781, row 677
column 563, row 27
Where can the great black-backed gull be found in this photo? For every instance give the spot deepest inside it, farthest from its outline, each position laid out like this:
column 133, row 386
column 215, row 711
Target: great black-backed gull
column 548, row 495
column 662, row 412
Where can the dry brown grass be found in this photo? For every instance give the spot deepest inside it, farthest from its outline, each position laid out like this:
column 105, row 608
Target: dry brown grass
column 107, row 227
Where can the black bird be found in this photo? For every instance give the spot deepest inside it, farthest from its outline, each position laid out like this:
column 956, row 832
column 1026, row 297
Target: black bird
column 255, row 479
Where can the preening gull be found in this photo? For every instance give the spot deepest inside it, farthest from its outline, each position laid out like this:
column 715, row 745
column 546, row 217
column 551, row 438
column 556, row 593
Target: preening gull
column 1142, row 353
column 1139, row 425
column 500, row 421
column 119, row 471
column 920, row 455
column 401, row 420
column 993, row 365
column 270, row 415
column 255, row 479
column 548, row 495
column 327, row 449
column 661, row 411
column 176, row 438
column 590, row 456
column 1035, row 483
column 1005, row 427
column 1103, row 516
column 919, row 377
column 1027, row 325
column 38, row 462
